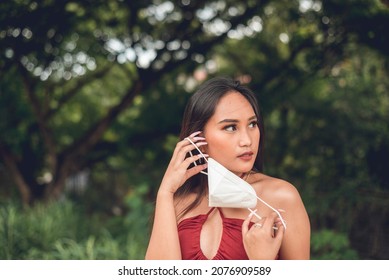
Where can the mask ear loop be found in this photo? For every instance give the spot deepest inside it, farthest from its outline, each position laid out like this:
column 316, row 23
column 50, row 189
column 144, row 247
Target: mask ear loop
column 197, row 148
column 252, row 212
column 275, row 210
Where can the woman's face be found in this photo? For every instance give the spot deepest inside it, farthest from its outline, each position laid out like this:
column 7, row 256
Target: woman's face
column 232, row 133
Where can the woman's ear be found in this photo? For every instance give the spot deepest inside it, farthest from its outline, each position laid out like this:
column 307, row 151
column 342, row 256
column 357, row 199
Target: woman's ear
column 203, row 149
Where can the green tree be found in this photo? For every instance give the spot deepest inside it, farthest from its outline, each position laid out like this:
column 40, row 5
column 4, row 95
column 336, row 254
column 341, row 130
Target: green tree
column 323, row 85
column 71, row 68
column 102, row 85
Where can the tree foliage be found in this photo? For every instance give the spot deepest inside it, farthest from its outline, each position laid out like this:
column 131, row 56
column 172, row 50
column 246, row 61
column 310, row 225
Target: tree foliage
column 75, row 67
column 100, row 86
column 324, row 88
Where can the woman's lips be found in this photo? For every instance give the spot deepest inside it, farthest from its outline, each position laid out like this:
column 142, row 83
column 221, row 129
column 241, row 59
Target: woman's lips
column 246, row 156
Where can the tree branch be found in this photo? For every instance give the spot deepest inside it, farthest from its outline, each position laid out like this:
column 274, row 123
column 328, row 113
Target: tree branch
column 71, row 92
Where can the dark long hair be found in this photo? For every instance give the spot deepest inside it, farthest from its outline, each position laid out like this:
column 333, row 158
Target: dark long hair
column 199, row 109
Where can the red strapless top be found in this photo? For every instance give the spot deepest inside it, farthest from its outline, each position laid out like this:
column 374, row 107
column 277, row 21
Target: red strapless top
column 231, row 243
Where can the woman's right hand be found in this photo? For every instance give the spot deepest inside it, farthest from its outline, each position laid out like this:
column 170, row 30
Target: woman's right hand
column 177, row 171
column 261, row 241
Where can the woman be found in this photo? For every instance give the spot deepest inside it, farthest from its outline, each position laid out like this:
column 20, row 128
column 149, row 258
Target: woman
column 223, row 120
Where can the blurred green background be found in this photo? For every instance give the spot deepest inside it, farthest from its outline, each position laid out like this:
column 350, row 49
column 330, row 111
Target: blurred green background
column 92, row 94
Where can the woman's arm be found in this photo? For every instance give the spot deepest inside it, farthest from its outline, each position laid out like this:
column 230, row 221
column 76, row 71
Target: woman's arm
column 164, row 242
column 296, row 241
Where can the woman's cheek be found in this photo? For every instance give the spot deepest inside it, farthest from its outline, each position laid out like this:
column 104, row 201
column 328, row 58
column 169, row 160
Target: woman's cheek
column 219, row 146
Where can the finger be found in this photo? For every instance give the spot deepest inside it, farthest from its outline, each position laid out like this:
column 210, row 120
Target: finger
column 195, row 170
column 183, row 148
column 189, row 160
column 192, row 140
column 194, row 134
column 249, row 220
column 279, row 222
column 270, row 221
column 185, row 142
column 245, row 224
column 279, row 234
column 257, row 225
column 281, row 218
column 194, row 137
column 178, row 148
column 180, row 145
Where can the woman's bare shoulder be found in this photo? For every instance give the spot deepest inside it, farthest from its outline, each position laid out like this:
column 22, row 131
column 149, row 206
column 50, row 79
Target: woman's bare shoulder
column 276, row 188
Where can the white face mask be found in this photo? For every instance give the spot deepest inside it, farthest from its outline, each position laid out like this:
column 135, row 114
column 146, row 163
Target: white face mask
column 228, row 190
column 225, row 189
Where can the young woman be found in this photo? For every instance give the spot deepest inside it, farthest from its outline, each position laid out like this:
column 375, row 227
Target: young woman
column 223, row 120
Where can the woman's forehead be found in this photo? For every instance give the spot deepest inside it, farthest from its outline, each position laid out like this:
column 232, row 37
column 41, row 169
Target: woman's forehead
column 233, row 105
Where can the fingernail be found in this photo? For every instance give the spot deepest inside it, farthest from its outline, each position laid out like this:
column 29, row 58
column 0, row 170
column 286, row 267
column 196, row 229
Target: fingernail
column 195, row 133
column 281, row 210
column 279, row 221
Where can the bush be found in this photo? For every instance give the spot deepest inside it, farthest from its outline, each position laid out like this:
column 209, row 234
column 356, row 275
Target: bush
column 63, row 231
column 331, row 245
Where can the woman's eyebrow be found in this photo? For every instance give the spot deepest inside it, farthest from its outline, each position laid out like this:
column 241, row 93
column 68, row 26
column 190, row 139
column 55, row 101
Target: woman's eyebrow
column 229, row 121
column 236, row 121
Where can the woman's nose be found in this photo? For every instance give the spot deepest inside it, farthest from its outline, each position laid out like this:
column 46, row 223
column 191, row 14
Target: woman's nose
column 245, row 138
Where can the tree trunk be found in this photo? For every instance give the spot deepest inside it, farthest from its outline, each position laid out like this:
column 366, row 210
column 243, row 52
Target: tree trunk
column 11, row 164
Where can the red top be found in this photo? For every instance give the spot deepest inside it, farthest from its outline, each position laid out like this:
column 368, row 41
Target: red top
column 231, row 243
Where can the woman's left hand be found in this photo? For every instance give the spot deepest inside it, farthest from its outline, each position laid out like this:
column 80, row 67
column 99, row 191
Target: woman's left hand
column 262, row 241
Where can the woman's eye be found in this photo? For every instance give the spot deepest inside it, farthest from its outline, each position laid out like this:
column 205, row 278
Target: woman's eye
column 230, row 128
column 253, row 124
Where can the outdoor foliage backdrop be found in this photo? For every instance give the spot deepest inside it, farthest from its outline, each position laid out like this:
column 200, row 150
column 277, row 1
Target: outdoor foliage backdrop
column 92, row 95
